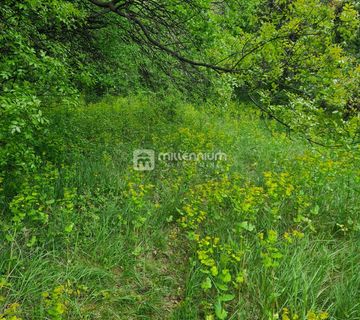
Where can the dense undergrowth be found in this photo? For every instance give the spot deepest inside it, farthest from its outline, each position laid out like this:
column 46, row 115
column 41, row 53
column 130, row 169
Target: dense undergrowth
column 272, row 232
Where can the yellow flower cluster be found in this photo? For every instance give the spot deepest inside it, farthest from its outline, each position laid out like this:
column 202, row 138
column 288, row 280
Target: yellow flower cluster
column 221, row 257
column 11, row 312
column 249, row 199
column 278, row 184
column 311, row 315
column 292, row 235
column 191, row 217
column 56, row 302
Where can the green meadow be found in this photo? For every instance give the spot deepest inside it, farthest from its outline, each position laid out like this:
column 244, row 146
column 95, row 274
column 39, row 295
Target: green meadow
column 180, row 160
column 272, row 232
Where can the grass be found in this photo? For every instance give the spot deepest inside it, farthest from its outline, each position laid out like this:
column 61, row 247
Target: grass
column 118, row 243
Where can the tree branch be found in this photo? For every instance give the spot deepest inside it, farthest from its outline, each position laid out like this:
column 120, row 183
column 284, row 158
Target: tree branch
column 112, row 5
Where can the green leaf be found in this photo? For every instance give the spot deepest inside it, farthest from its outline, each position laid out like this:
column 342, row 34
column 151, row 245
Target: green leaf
column 226, row 297
column 225, row 276
column 206, row 284
column 69, row 228
column 9, row 238
column 31, row 242
column 247, row 226
column 220, row 311
column 315, row 210
column 222, row 286
column 51, row 201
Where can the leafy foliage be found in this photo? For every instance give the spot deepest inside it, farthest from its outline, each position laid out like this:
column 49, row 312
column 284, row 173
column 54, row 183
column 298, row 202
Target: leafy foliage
column 271, row 232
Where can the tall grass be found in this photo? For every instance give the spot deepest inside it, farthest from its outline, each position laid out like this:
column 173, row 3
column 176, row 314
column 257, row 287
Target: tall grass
column 116, row 248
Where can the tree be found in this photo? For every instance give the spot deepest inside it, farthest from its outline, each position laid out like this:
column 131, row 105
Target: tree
column 295, row 59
